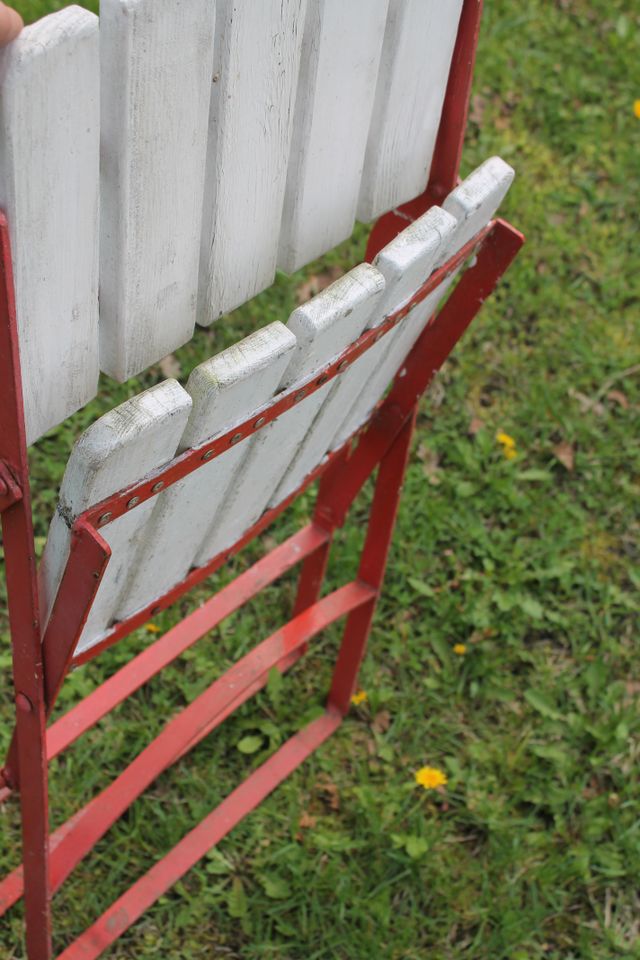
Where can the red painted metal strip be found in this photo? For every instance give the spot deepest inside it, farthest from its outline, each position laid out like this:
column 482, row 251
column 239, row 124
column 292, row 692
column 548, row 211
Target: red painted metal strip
column 79, row 835
column 125, row 627
column 245, row 798
column 22, row 592
column 373, row 564
column 174, row 643
column 434, row 345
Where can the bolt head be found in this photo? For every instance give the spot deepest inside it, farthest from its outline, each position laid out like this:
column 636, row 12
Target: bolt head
column 207, row 455
column 157, row 486
column 236, row 438
column 23, row 703
column 258, row 422
column 300, row 394
column 342, row 366
column 104, row 519
column 133, row 503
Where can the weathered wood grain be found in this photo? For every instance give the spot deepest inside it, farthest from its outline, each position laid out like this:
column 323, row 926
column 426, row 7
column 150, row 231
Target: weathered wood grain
column 468, row 208
column 157, row 58
column 412, row 82
column 119, row 449
column 256, row 62
column 340, row 57
column 49, row 168
column 225, row 390
column 323, row 327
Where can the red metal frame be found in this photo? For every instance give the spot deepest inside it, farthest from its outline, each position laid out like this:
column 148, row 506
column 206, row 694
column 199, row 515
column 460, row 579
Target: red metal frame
column 41, row 662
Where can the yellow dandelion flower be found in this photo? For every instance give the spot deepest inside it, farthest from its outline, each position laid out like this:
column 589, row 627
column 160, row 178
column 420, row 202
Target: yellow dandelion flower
column 153, row 628
column 460, row 649
column 508, row 444
column 359, row 697
column 430, row 778
column 636, row 108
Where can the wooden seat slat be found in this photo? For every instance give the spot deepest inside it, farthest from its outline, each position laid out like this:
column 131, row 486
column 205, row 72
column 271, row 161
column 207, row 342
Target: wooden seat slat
column 136, row 438
column 225, row 390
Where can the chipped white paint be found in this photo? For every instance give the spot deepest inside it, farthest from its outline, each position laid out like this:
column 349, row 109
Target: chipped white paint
column 340, row 58
column 119, row 449
column 49, row 149
column 323, row 327
column 412, row 82
column 365, row 296
column 476, row 199
column 470, row 207
column 225, row 390
column 256, row 62
column 157, row 58
column 405, row 263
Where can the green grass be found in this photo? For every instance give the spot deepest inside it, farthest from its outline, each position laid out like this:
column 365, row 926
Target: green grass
column 533, row 849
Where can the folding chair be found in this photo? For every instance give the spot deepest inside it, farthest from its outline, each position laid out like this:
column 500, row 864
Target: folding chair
column 211, row 176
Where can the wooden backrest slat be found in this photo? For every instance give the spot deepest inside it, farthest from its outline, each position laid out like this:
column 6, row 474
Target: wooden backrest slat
column 412, row 81
column 340, row 57
column 255, row 73
column 157, row 58
column 49, row 170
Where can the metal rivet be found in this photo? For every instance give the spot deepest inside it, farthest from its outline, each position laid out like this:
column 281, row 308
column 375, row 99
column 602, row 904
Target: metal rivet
column 258, row 422
column 322, row 379
column 23, row 703
column 104, row 518
column 96, row 575
column 377, row 337
column 207, row 455
column 157, row 486
column 300, row 394
column 235, row 438
column 133, row 503
column 342, row 366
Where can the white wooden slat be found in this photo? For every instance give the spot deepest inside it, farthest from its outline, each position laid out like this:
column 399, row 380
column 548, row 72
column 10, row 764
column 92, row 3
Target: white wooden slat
column 49, row 168
column 406, row 263
column 412, row 82
column 225, row 390
column 256, row 63
column 340, row 57
column 476, row 199
column 323, row 327
column 157, row 58
column 471, row 205
column 119, row 449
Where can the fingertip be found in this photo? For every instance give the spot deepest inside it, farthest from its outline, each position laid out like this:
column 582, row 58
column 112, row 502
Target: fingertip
column 11, row 24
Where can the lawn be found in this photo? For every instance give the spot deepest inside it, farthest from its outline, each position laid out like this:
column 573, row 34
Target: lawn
column 531, row 563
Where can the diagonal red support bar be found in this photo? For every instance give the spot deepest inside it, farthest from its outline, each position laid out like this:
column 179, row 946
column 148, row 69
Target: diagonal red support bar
column 71, row 842
column 436, row 342
column 245, row 798
column 177, row 640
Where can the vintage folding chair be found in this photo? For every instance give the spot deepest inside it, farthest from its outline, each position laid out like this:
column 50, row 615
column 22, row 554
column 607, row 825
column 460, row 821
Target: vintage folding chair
column 212, row 176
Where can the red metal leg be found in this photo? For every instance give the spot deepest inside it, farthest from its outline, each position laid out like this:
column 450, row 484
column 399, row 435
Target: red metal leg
column 373, row 564
column 24, row 620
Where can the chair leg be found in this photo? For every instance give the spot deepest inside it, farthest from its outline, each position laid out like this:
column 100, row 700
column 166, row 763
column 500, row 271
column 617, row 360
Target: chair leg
column 373, row 564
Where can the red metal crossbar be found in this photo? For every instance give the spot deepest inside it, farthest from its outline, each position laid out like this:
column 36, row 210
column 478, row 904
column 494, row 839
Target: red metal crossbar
column 41, row 662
